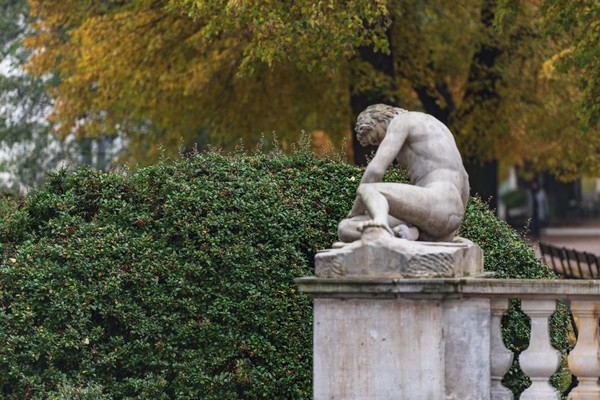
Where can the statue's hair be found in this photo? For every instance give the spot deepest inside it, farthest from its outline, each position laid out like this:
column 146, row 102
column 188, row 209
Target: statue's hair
column 371, row 117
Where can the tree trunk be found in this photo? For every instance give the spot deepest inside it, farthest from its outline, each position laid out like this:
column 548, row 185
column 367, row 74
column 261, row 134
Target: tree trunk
column 483, row 178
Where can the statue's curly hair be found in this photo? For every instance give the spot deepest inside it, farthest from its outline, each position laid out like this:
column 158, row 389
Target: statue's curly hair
column 371, row 117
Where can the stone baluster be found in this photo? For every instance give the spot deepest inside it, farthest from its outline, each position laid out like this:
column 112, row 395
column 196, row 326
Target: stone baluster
column 583, row 360
column 501, row 357
column 540, row 360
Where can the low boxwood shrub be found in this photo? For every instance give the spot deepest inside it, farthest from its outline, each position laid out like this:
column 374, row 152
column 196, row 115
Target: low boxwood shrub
column 175, row 281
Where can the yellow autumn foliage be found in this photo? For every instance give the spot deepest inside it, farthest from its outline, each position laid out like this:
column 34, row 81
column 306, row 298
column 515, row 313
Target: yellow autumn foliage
column 215, row 71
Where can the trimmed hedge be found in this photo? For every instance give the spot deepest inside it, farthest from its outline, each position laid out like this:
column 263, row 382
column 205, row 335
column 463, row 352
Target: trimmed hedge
column 175, row 281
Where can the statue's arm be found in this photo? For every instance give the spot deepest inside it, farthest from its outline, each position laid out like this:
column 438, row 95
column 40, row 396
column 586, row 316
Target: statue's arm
column 387, row 151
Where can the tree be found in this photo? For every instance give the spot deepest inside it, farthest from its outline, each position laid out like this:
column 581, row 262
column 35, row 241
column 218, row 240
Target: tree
column 158, row 75
column 576, row 27
column 28, row 150
column 216, row 71
column 557, row 71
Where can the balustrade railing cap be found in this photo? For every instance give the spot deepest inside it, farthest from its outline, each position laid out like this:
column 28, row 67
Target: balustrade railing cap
column 470, row 287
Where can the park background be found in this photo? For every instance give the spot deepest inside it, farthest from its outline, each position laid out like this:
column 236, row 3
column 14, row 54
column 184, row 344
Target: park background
column 128, row 259
column 105, row 83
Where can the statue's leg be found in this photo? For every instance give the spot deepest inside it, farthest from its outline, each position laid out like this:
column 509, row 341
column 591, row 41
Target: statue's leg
column 406, row 231
column 350, row 229
column 436, row 210
column 375, row 201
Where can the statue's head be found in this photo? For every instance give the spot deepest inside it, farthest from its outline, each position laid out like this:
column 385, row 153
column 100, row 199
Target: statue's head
column 377, row 116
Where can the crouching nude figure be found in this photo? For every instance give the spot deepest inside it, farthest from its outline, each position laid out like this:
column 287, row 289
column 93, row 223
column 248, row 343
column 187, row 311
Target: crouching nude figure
column 429, row 209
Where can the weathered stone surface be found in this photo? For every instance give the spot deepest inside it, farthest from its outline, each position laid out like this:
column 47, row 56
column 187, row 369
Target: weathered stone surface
column 401, row 349
column 367, row 349
column 466, row 329
column 391, row 257
column 385, row 345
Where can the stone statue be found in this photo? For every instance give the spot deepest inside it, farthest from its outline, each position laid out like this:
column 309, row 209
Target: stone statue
column 429, row 209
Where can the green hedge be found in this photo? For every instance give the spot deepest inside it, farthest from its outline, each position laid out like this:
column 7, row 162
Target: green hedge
column 175, row 281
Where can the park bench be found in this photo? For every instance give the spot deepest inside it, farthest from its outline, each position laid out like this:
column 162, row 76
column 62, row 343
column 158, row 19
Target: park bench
column 571, row 264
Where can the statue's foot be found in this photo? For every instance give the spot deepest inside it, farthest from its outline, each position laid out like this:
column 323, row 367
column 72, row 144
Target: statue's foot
column 372, row 230
column 339, row 245
column 404, row 231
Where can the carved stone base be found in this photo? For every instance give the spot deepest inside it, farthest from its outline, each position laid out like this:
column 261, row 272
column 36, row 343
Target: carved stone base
column 385, row 256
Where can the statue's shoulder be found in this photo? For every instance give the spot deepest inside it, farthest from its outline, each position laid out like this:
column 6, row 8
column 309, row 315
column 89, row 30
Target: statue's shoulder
column 410, row 120
column 412, row 116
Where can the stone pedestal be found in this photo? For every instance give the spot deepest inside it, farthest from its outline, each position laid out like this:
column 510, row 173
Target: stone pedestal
column 381, row 336
column 368, row 349
column 390, row 257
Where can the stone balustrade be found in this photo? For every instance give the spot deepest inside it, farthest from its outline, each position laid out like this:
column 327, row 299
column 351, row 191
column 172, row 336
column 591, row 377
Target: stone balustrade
column 385, row 339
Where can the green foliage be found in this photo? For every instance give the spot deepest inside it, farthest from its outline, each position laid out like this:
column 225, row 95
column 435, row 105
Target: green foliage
column 90, row 392
column 505, row 251
column 576, row 26
column 175, row 280
column 308, row 33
